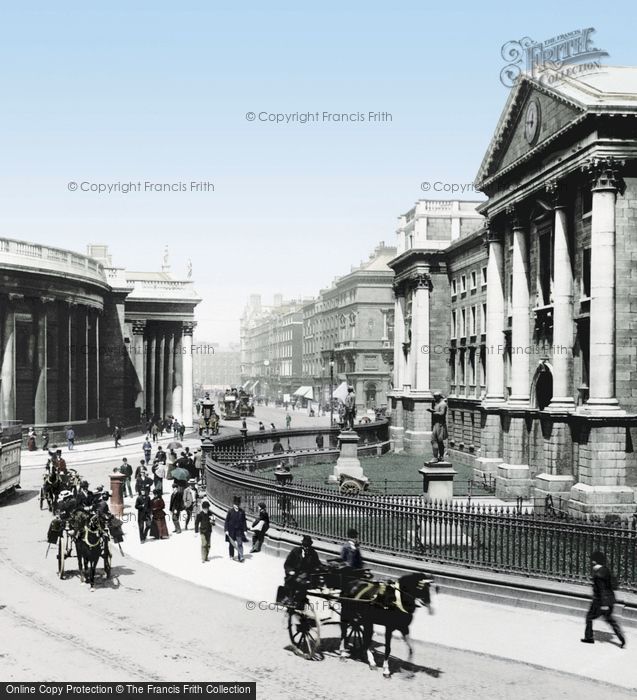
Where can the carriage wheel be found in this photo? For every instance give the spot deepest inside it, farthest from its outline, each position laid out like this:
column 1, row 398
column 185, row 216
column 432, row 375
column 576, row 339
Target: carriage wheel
column 354, row 635
column 350, row 488
column 107, row 560
column 304, row 631
column 61, row 554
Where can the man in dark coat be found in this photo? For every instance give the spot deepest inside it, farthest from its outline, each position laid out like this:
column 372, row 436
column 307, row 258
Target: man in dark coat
column 176, row 506
column 259, row 528
column 84, row 496
column 300, row 562
column 603, row 600
column 235, row 528
column 142, row 505
column 350, row 551
column 143, row 482
column 127, row 471
column 204, row 523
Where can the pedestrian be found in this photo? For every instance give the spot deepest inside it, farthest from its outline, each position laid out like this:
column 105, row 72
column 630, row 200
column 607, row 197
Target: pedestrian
column 300, row 562
column 153, row 431
column 350, row 551
column 190, row 498
column 176, row 429
column 319, row 441
column 31, row 445
column 272, row 426
column 148, row 448
column 288, row 420
column 158, row 527
column 204, row 522
column 182, row 431
column 143, row 506
column 160, row 455
column 127, row 471
column 143, row 482
column 70, row 437
column 176, row 506
column 45, row 439
column 603, row 600
column 261, row 426
column 117, row 435
column 259, row 528
column 235, row 528
column 159, row 472
column 139, row 469
column 244, row 429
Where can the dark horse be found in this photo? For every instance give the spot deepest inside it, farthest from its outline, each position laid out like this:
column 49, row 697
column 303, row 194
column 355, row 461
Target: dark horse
column 92, row 543
column 391, row 605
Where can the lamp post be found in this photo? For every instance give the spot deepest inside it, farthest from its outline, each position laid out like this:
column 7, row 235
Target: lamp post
column 331, row 389
column 207, row 408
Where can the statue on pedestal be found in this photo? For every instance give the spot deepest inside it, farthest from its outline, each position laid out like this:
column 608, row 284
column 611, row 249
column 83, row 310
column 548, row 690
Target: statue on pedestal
column 350, row 408
column 439, row 427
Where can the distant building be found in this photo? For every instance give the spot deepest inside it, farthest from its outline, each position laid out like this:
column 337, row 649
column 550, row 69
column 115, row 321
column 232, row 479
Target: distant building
column 216, row 367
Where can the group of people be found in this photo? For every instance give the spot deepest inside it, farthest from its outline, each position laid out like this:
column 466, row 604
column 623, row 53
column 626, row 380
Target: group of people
column 156, row 427
column 151, row 511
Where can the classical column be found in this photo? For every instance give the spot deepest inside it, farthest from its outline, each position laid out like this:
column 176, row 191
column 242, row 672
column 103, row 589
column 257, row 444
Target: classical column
column 178, row 383
column 86, row 357
column 606, row 183
column 40, row 374
column 186, row 367
column 520, row 334
column 152, row 352
column 399, row 337
column 161, row 352
column 495, row 320
column 562, row 306
column 97, row 364
column 7, row 389
column 72, row 354
column 170, row 374
column 420, row 333
column 139, row 328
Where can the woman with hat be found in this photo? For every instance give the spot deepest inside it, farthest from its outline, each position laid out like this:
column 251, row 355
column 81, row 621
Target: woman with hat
column 158, row 528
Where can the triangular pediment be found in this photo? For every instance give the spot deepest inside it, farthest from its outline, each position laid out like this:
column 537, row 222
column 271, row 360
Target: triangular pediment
column 532, row 115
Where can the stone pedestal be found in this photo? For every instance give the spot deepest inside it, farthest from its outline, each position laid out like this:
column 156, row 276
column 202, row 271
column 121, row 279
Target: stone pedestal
column 437, row 480
column 589, row 500
column 513, row 481
column 116, row 504
column 557, row 486
column 348, row 463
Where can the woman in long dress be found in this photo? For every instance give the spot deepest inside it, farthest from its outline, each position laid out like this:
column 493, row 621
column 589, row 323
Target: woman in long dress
column 158, row 528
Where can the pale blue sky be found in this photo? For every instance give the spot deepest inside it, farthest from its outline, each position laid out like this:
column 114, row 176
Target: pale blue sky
column 158, row 91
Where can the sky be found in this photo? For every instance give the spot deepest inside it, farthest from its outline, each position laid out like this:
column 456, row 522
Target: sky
column 96, row 94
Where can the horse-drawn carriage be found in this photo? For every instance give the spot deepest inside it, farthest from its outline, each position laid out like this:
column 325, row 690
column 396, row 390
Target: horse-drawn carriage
column 336, row 594
column 54, row 482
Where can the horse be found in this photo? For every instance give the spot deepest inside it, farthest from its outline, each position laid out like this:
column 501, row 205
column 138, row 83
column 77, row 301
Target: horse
column 92, row 543
column 391, row 605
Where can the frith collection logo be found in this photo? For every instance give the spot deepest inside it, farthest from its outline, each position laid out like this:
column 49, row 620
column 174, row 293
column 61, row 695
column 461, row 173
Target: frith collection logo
column 565, row 55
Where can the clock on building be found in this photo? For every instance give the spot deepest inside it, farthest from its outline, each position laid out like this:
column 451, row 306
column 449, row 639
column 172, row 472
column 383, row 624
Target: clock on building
column 532, row 121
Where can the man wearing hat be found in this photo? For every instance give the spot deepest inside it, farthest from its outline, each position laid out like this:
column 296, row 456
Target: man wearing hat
column 142, row 505
column 190, row 498
column 350, row 408
column 439, row 426
column 300, row 562
column 84, row 496
column 603, row 600
column 350, row 551
column 204, row 522
column 235, row 528
column 259, row 528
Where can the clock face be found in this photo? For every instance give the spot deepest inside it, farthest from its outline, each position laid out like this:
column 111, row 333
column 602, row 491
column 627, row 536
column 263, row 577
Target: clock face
column 532, row 121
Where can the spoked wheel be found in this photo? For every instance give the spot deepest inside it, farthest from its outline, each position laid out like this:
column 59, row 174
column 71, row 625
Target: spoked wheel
column 354, row 636
column 350, row 488
column 107, row 560
column 61, row 554
column 304, row 631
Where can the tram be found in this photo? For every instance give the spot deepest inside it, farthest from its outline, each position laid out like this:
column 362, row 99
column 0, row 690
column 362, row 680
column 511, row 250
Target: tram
column 10, row 445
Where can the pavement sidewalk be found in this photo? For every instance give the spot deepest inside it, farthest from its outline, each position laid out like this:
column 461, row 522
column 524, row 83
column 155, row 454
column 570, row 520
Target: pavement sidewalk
column 538, row 638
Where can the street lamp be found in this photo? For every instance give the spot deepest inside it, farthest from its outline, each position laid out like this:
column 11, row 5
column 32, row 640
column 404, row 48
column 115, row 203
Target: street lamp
column 331, row 389
column 207, row 408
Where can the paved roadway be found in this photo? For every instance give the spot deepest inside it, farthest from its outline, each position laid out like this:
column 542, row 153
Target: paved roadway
column 144, row 625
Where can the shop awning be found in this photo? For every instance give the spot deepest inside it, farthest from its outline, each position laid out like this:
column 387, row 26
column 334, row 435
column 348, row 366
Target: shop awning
column 340, row 392
column 245, row 384
column 305, row 392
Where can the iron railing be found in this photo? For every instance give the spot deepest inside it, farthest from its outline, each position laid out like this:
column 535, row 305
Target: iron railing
column 501, row 539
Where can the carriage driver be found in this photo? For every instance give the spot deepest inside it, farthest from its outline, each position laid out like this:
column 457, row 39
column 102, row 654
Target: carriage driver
column 300, row 562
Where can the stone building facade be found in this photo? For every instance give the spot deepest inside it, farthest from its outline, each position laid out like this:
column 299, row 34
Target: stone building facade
column 543, row 394
column 68, row 331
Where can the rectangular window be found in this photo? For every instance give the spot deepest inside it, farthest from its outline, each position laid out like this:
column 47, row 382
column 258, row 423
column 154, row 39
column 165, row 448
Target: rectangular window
column 483, row 319
column 474, row 279
column 472, row 367
column 484, row 276
column 472, row 330
column 463, row 327
column 452, row 366
column 461, row 368
column 586, row 273
column 454, row 321
column 454, row 288
column 463, row 284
